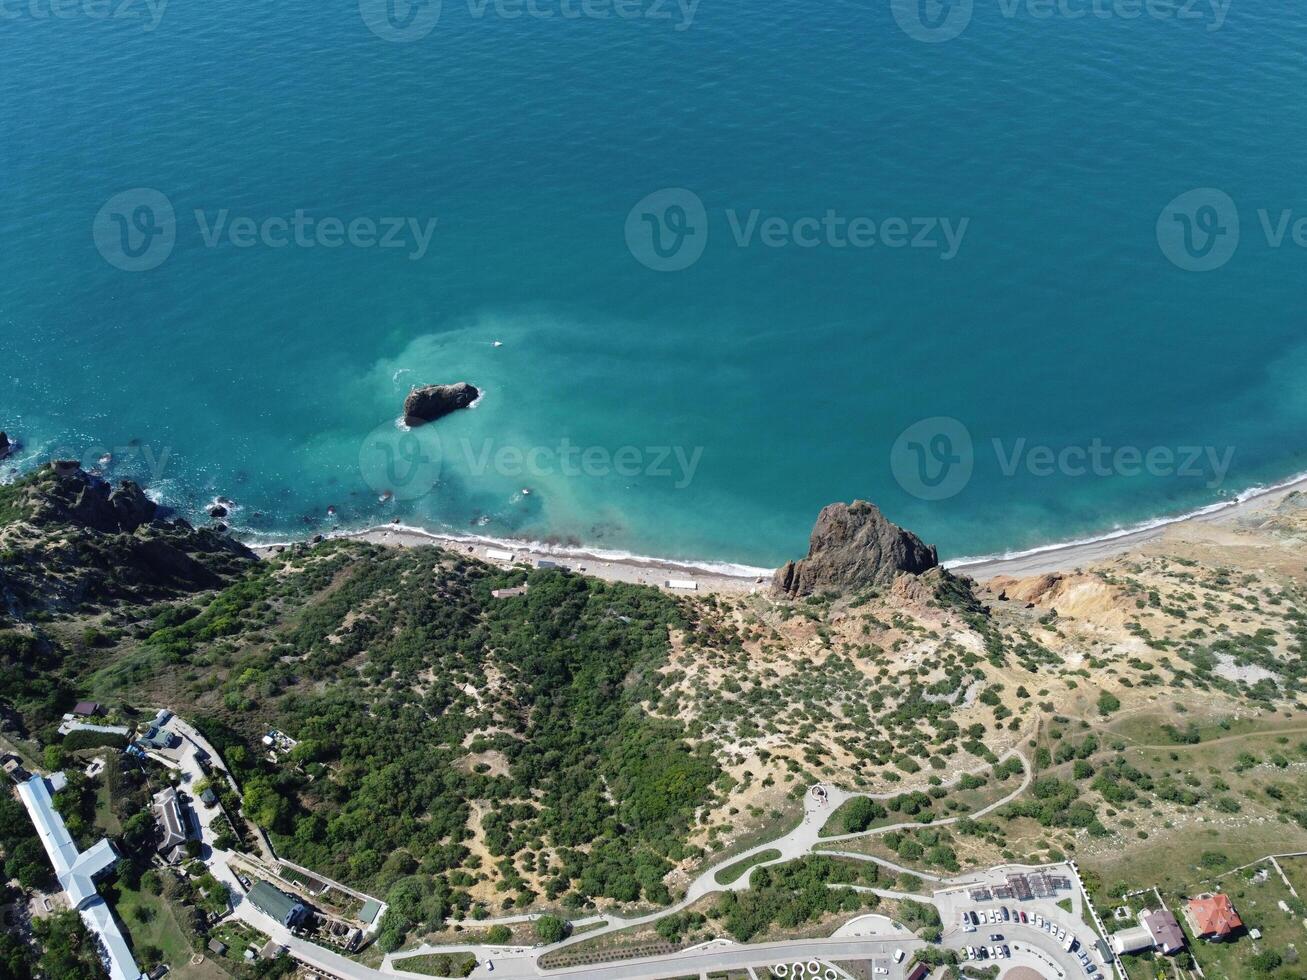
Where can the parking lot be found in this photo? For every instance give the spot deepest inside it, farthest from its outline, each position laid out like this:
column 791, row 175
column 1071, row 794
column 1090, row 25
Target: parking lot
column 995, row 923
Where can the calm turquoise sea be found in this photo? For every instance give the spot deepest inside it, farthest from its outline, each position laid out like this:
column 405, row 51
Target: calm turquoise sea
column 1017, row 271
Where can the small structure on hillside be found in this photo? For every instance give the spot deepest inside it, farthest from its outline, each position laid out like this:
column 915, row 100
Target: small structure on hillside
column 158, row 738
column 88, row 709
column 277, row 905
column 13, row 768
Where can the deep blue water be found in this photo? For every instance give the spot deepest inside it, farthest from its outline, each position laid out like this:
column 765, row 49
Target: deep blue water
column 782, row 375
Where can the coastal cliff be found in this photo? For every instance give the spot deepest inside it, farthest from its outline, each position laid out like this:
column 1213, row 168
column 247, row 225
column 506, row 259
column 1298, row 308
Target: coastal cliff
column 70, row 538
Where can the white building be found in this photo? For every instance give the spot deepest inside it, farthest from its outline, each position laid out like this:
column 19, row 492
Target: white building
column 77, row 871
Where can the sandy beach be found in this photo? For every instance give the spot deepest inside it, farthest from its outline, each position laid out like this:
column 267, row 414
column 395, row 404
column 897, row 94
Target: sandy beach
column 1077, row 554
column 692, row 578
column 669, row 575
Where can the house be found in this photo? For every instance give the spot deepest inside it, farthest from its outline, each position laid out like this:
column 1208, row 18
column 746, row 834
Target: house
column 217, row 947
column 88, row 709
column 1157, row 929
column 277, row 904
column 158, row 738
column 271, row 950
column 168, row 808
column 1212, row 917
column 1166, row 932
column 509, row 593
column 919, row 972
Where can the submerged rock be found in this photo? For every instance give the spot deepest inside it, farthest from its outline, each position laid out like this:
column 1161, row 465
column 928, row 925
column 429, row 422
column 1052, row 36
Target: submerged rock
column 854, row 546
column 6, row 447
column 433, row 402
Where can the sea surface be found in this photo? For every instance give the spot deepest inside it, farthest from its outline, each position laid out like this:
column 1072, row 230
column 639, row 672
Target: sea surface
column 694, row 257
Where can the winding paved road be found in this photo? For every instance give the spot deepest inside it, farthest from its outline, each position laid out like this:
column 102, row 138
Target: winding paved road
column 714, row 956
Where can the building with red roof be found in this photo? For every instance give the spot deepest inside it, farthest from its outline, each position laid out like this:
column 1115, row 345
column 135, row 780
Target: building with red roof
column 1212, row 917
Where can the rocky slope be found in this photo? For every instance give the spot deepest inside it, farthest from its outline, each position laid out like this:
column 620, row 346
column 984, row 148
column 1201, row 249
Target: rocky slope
column 69, row 539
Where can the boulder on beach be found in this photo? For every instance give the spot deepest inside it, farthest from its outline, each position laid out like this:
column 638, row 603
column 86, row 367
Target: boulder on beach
column 431, row 402
column 854, row 546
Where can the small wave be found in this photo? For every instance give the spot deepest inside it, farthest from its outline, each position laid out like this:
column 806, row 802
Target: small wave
column 1143, row 527
column 723, row 568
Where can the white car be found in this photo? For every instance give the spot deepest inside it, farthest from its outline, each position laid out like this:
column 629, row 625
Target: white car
column 898, row 955
column 966, row 952
column 881, row 970
column 1061, row 935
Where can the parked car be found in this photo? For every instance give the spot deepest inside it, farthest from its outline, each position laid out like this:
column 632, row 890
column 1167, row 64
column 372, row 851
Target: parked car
column 995, row 937
column 1007, row 916
column 898, row 955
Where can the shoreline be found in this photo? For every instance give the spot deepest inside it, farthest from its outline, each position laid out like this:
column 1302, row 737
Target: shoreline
column 612, row 566
column 724, row 577
column 1068, row 555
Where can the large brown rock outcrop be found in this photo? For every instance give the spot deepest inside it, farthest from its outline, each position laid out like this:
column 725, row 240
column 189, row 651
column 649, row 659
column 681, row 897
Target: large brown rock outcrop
column 854, row 546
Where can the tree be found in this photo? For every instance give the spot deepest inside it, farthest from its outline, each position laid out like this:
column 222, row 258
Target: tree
column 860, row 813
column 498, row 935
column 551, row 929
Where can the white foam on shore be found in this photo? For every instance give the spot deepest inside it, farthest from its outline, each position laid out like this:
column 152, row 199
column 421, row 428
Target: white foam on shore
column 544, row 549
column 1144, row 527
column 736, row 570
